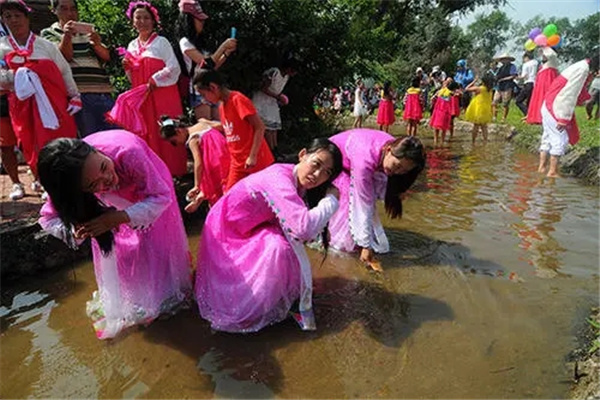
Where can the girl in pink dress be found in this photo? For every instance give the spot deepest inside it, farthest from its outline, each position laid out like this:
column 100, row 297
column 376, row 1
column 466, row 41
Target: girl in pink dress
column 413, row 107
column 543, row 80
column 211, row 159
column 376, row 166
column 43, row 96
column 150, row 61
column 252, row 265
column 112, row 188
column 385, row 114
column 441, row 117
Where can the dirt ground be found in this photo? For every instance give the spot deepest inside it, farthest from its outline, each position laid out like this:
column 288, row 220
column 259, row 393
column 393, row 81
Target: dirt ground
column 586, row 366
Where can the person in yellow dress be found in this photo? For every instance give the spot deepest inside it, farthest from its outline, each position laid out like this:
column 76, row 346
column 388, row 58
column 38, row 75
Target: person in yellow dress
column 479, row 111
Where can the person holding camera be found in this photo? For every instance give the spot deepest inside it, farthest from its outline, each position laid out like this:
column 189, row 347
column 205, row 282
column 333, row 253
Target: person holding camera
column 82, row 47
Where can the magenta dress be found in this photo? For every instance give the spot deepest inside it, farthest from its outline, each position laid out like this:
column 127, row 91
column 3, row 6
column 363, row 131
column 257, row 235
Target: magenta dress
column 385, row 113
column 442, row 110
column 144, row 275
column 215, row 163
column 361, row 184
column 413, row 109
column 252, row 265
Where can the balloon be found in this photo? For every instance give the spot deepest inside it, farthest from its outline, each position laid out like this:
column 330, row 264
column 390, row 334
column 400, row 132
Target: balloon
column 553, row 40
column 560, row 44
column 534, row 32
column 529, row 45
column 550, row 30
column 541, row 40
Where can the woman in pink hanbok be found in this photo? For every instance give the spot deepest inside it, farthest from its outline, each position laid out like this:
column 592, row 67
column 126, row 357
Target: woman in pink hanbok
column 150, row 61
column 112, row 188
column 252, row 265
column 211, row 158
column 376, row 166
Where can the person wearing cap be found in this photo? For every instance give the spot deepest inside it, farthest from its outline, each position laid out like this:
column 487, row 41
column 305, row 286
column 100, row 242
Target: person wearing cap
column 547, row 73
column 463, row 77
column 189, row 28
column 43, row 96
column 528, row 74
column 505, row 80
column 86, row 56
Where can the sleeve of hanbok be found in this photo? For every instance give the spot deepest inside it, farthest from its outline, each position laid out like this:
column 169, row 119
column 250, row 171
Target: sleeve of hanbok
column 170, row 73
column 362, row 206
column 295, row 218
column 63, row 67
column 156, row 193
column 566, row 100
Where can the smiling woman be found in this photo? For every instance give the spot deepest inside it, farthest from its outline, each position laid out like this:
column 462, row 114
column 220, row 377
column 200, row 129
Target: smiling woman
column 252, row 265
column 112, row 188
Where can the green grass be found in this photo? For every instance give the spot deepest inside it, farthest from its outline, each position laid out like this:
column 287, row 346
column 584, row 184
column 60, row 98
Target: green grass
column 529, row 135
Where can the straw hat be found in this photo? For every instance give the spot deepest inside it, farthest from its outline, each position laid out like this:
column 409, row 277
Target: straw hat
column 504, row 56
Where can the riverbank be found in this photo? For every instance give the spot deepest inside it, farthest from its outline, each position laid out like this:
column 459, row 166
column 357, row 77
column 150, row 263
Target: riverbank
column 585, row 361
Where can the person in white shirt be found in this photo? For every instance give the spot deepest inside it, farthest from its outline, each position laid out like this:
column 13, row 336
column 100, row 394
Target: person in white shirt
column 528, row 74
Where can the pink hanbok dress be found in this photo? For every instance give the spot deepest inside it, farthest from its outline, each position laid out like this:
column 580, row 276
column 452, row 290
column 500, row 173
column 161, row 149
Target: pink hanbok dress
column 441, row 117
column 156, row 59
column 252, row 265
column 412, row 107
column 361, row 184
column 215, row 163
column 145, row 275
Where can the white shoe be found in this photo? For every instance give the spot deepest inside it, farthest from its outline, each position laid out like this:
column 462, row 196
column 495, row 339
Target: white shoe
column 18, row 192
column 44, row 196
column 36, row 187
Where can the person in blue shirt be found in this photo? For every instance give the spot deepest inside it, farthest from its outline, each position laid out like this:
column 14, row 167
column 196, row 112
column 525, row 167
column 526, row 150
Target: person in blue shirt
column 463, row 76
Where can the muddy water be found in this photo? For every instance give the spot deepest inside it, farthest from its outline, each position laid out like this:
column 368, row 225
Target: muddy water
column 492, row 272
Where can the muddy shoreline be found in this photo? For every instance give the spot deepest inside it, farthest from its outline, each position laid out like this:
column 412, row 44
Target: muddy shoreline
column 585, row 366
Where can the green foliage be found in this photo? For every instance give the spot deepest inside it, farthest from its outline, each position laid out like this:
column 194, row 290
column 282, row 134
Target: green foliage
column 488, row 34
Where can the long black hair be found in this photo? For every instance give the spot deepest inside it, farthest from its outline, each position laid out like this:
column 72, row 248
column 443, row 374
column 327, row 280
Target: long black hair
column 404, row 147
column 184, row 28
column 314, row 195
column 60, row 166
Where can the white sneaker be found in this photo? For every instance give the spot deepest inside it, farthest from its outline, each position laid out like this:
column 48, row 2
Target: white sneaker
column 36, row 187
column 18, row 192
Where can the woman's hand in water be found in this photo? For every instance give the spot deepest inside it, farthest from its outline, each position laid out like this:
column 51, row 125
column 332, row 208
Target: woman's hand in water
column 367, row 257
column 104, row 223
column 334, row 191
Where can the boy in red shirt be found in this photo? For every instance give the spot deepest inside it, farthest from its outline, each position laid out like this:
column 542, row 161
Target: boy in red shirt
column 243, row 127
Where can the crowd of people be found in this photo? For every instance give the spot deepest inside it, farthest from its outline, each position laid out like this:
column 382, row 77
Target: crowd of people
column 106, row 167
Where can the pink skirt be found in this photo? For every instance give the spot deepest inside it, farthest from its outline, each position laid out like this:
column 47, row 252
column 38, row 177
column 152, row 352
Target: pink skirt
column 413, row 109
column 455, row 104
column 215, row 160
column 385, row 115
column 441, row 116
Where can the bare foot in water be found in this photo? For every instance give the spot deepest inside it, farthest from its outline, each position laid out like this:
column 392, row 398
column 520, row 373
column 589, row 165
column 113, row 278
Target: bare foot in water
column 553, row 175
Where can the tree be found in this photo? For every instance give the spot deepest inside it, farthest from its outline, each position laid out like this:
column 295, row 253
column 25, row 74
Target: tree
column 488, row 33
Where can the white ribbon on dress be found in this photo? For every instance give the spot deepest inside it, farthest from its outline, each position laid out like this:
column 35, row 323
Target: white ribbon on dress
column 27, row 84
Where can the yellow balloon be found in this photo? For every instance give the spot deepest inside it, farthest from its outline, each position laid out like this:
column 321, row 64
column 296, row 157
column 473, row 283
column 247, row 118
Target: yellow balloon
column 529, row 45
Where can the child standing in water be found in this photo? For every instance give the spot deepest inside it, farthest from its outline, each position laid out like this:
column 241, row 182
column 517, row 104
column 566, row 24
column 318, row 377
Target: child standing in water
column 413, row 108
column 385, row 114
column 211, row 158
column 441, row 117
column 243, row 128
column 479, row 111
column 454, row 104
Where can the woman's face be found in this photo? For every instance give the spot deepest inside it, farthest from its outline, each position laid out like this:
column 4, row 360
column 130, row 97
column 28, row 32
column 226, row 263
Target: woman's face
column 393, row 165
column 98, row 173
column 16, row 21
column 198, row 25
column 314, row 169
column 142, row 20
